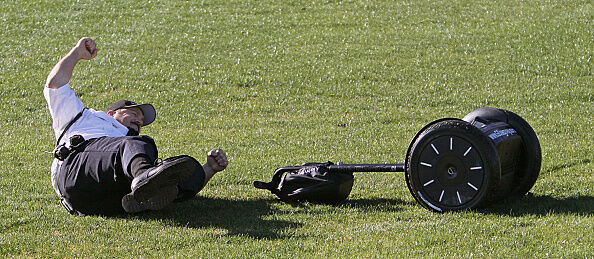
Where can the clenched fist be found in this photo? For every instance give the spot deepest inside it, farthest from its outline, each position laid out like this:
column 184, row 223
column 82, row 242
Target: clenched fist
column 62, row 71
column 217, row 160
column 86, row 48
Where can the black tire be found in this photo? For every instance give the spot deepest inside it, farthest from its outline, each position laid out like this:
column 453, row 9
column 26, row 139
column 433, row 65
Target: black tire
column 452, row 166
column 531, row 157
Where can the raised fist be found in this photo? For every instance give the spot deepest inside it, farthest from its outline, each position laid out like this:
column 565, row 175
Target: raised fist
column 86, row 48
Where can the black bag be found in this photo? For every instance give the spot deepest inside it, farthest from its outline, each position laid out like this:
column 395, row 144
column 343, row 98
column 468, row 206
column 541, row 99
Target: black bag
column 311, row 182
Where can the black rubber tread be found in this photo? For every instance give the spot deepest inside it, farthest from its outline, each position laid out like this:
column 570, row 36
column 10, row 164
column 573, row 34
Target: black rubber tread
column 463, row 130
column 160, row 200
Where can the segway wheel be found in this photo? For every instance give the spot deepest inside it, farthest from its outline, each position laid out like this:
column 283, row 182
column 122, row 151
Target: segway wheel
column 530, row 160
column 451, row 166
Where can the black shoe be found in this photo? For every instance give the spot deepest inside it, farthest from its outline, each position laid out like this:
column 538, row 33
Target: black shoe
column 170, row 172
column 164, row 197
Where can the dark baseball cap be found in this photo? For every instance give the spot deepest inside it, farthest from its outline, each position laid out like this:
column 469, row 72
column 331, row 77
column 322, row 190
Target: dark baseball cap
column 147, row 109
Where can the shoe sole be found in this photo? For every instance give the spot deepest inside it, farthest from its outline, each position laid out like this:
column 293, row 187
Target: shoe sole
column 171, row 174
column 165, row 197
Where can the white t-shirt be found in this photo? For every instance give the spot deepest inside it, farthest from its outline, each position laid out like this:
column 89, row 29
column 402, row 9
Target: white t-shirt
column 64, row 106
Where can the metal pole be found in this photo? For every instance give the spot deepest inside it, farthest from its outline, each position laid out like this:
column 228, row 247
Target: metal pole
column 366, row 168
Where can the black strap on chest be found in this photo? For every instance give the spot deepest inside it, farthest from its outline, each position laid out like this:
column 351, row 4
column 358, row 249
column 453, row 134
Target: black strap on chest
column 68, row 126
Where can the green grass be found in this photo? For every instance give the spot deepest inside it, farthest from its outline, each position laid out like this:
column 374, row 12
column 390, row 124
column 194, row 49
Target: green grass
column 269, row 82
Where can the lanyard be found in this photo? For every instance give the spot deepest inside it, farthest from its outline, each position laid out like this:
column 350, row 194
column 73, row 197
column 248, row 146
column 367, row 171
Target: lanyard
column 68, row 126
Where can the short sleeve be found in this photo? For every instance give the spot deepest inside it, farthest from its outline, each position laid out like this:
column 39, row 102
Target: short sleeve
column 63, row 105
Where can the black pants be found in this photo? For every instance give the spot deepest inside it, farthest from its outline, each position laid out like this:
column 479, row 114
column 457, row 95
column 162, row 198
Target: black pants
column 94, row 179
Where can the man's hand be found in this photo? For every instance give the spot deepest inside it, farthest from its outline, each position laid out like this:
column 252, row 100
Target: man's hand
column 86, row 49
column 217, row 160
column 62, row 71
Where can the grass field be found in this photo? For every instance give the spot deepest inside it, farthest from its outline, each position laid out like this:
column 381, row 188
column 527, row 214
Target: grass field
column 278, row 83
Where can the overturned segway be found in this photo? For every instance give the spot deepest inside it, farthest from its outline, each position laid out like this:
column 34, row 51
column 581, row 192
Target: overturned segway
column 489, row 155
column 451, row 165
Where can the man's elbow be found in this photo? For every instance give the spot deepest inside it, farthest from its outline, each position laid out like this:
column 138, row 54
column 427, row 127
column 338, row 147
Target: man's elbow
column 53, row 83
column 51, row 86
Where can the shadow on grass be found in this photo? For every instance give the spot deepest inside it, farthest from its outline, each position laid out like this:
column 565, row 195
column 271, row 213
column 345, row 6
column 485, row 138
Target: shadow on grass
column 542, row 205
column 237, row 217
column 362, row 205
column 248, row 217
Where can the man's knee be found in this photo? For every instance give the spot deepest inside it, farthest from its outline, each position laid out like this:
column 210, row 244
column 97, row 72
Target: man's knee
column 134, row 146
column 139, row 141
column 190, row 187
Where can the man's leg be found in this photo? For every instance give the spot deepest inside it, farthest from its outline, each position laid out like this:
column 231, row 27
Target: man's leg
column 216, row 161
column 95, row 179
column 158, row 186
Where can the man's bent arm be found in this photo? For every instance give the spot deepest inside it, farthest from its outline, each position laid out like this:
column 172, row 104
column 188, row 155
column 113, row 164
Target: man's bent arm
column 62, row 71
column 216, row 161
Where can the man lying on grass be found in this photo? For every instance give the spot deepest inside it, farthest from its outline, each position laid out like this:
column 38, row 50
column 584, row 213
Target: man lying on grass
column 103, row 166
